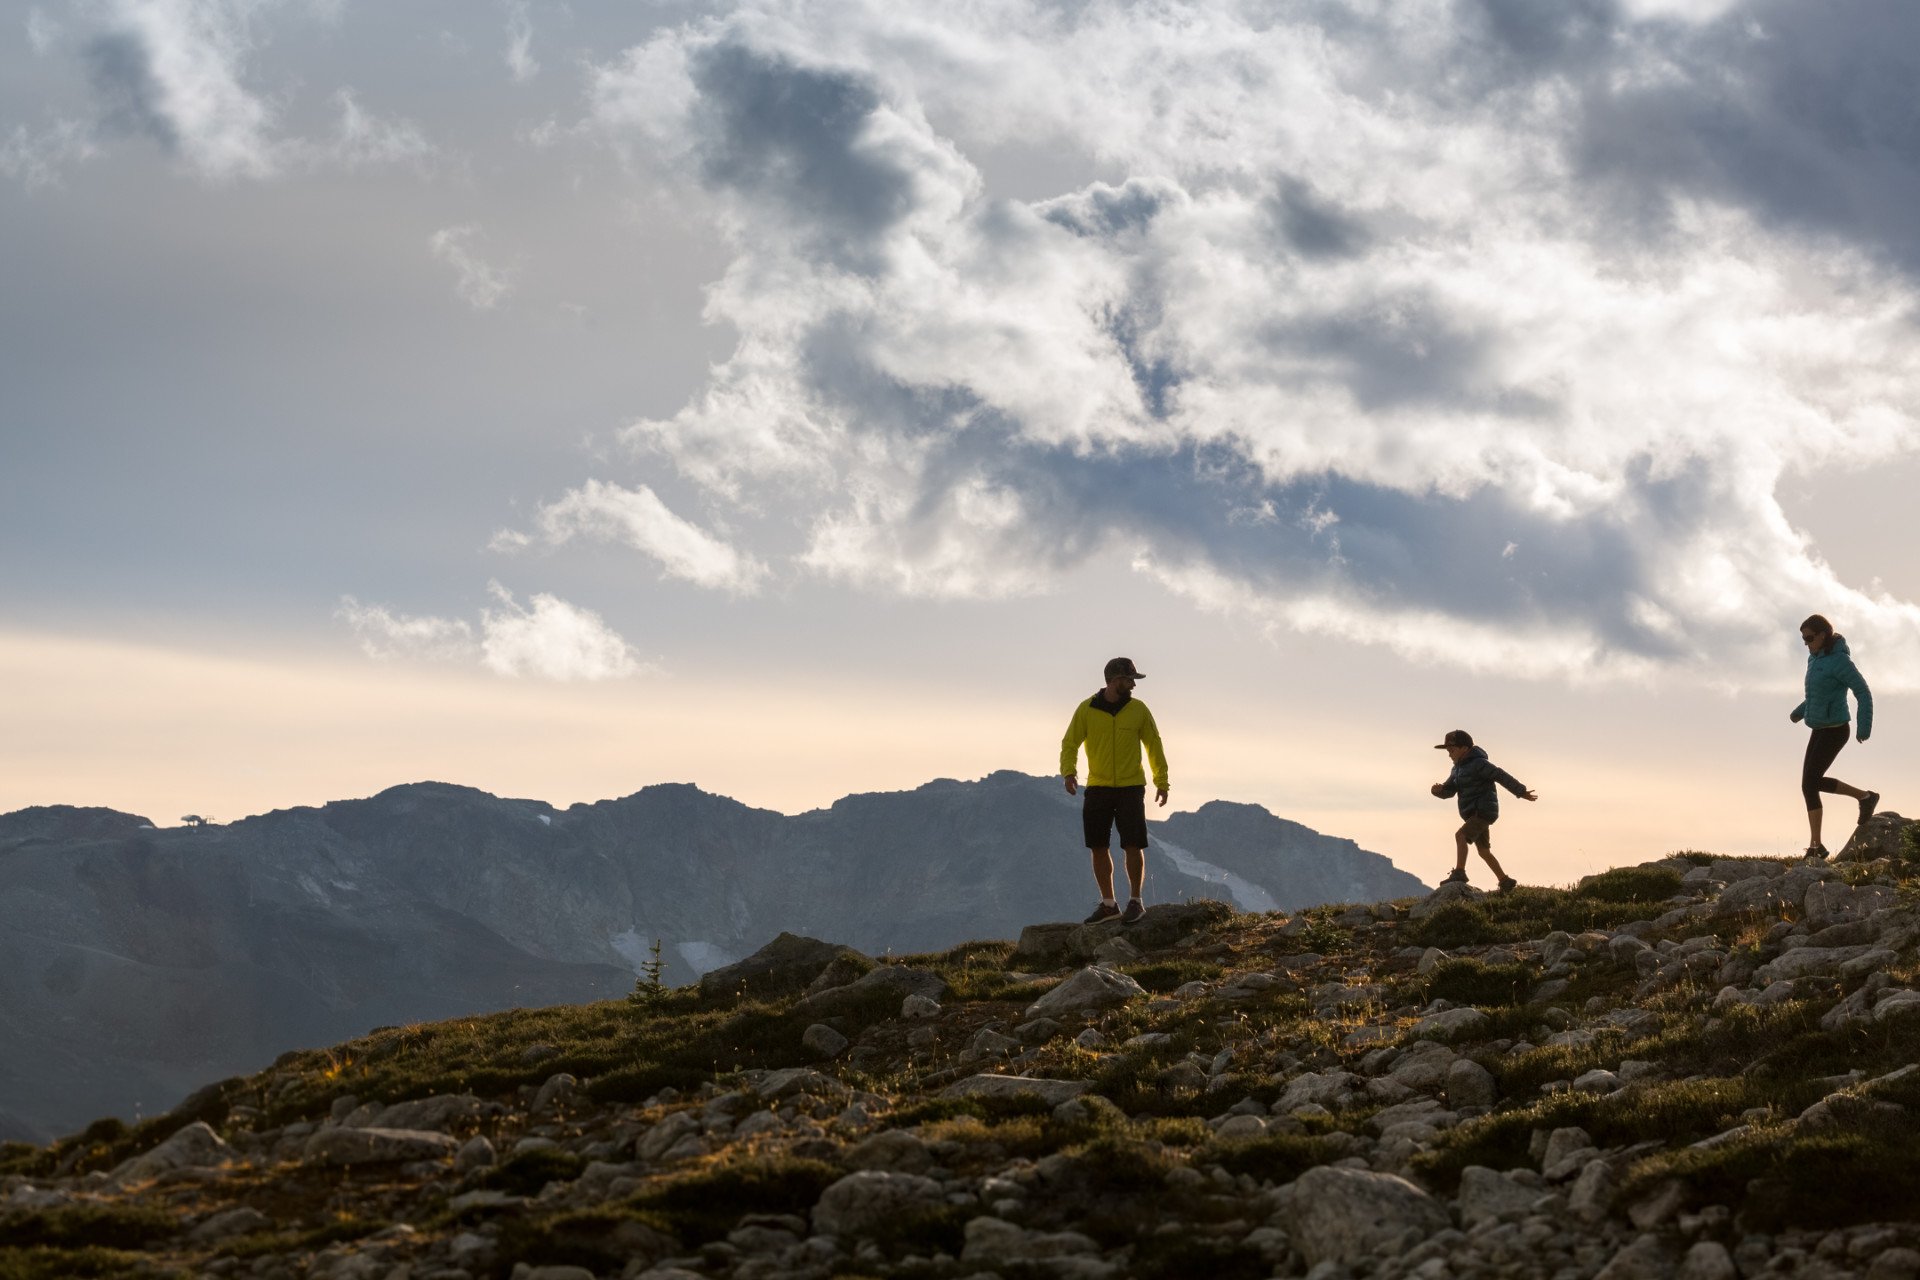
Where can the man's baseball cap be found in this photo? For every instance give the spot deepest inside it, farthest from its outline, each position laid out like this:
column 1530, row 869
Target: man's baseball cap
column 1124, row 667
column 1454, row 738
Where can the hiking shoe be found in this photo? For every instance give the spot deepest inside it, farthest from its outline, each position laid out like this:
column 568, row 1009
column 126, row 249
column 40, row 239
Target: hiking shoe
column 1133, row 912
column 1459, row 876
column 1868, row 803
column 1105, row 911
column 1816, row 853
column 1508, row 884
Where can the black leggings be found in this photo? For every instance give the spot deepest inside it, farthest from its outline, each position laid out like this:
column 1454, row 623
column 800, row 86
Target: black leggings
column 1823, row 745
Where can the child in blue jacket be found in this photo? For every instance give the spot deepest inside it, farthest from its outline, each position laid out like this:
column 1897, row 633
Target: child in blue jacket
column 1472, row 781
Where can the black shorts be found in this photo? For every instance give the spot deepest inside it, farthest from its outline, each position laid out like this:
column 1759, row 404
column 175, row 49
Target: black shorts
column 1108, row 807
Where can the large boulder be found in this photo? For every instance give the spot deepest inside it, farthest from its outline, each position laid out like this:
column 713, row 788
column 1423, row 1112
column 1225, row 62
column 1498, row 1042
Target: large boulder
column 1881, row 836
column 785, row 965
column 871, row 1198
column 1836, row 902
column 196, row 1146
column 336, row 1146
column 1051, row 1092
column 1049, row 946
column 1087, row 991
column 1349, row 1215
column 890, row 985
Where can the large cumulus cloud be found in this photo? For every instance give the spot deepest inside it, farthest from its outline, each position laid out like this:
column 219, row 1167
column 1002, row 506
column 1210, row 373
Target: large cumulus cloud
column 1480, row 329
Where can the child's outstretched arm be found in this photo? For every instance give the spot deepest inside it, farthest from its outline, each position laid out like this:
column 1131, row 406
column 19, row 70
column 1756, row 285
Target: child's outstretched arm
column 1513, row 784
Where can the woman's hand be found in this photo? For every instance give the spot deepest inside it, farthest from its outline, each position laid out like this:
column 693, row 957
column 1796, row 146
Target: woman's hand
column 1795, row 715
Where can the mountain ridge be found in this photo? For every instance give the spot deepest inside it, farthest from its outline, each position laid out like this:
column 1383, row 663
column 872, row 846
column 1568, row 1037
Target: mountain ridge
column 137, row 963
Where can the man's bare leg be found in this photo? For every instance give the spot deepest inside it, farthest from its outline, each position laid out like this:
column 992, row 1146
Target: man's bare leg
column 1103, row 871
column 1136, row 870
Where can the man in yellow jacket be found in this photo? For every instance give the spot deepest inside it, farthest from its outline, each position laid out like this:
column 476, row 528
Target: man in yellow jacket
column 1114, row 725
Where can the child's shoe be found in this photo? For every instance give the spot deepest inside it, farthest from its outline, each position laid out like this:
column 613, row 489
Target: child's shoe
column 1459, row 876
column 1508, row 884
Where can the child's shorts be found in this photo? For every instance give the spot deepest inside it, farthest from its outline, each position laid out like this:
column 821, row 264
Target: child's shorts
column 1475, row 831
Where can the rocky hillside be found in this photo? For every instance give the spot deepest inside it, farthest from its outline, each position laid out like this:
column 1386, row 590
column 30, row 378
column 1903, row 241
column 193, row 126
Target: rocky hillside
column 135, row 964
column 1699, row 1067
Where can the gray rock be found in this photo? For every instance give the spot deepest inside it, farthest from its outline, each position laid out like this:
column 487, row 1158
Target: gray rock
column 196, row 1146
column 1895, row 1264
column 475, row 1153
column 1644, row 1259
column 1449, row 1024
column 893, row 981
column 1346, row 1216
column 670, row 1131
column 782, row 967
column 919, row 1007
column 555, row 1091
column 1444, row 896
column 1708, row 1260
column 1470, row 1085
column 871, row 1198
column 987, row 1043
column 1804, row 962
column 238, row 1221
column 894, row 1151
column 1327, row 1089
column 442, row 1112
column 1880, row 836
column 526, row 1271
column 379, row 1146
column 1053, row 1092
column 1591, row 1197
column 822, row 1041
column 1486, row 1194
column 1087, row 991
column 1836, row 902
column 787, row 1081
column 1430, row 959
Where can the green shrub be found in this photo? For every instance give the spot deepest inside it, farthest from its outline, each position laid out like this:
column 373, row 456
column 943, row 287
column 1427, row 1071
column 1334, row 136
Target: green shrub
column 526, row 1173
column 1470, row 981
column 1631, row 884
column 42, row 1263
column 1170, row 975
column 109, row 1226
column 706, row 1204
column 1277, row 1158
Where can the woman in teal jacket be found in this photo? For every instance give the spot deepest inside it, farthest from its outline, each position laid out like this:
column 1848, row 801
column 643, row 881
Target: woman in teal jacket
column 1830, row 673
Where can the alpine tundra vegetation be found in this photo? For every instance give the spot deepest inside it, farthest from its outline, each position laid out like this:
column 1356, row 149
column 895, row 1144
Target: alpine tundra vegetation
column 1697, row 1067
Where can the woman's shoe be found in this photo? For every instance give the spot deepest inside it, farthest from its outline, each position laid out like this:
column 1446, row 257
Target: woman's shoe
column 1868, row 803
column 1816, row 853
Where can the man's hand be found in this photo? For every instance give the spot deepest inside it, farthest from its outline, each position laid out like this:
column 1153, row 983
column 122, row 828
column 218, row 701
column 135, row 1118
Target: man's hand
column 1160, row 796
column 1438, row 789
column 1530, row 794
column 1073, row 785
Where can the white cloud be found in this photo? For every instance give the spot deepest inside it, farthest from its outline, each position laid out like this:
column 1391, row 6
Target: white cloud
column 40, row 159
column 172, row 69
column 552, row 640
column 42, row 32
column 480, row 285
column 1383, row 292
column 639, row 519
column 363, row 138
column 521, row 64
column 385, row 634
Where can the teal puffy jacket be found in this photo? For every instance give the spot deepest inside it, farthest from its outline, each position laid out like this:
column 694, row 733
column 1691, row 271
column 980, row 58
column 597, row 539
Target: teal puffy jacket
column 1830, row 673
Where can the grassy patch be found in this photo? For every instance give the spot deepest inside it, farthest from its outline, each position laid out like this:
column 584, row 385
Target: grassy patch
column 1531, row 913
column 1471, row 981
column 42, row 1263
column 1630, row 884
column 108, row 1226
column 601, row 1239
column 706, row 1204
column 1278, row 1158
column 526, row 1173
column 1170, row 975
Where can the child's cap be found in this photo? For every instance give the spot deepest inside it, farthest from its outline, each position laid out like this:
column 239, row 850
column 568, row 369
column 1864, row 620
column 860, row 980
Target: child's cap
column 1454, row 738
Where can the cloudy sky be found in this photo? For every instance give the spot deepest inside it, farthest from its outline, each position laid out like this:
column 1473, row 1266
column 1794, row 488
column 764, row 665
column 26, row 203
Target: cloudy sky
column 803, row 398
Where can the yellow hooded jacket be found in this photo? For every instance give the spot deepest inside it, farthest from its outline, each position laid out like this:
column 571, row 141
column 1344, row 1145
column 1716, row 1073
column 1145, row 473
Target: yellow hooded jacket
column 1113, row 737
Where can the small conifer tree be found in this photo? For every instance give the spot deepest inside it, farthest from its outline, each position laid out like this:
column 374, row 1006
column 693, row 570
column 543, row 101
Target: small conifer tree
column 649, row 991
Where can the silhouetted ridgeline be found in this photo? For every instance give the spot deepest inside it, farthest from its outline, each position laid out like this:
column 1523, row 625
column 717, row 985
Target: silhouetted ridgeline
column 137, row 964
